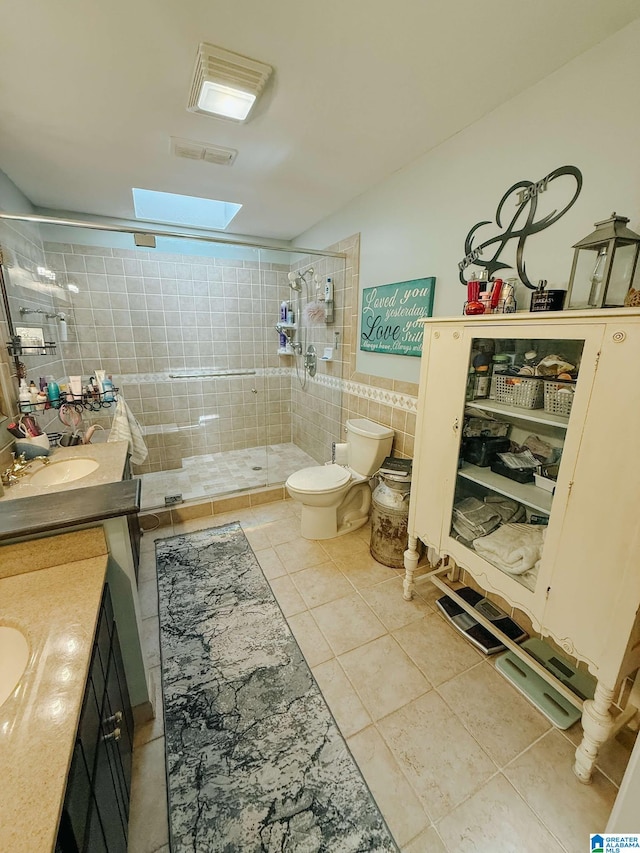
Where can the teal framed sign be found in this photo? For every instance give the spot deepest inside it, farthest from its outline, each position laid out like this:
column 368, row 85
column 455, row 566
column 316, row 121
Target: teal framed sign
column 390, row 315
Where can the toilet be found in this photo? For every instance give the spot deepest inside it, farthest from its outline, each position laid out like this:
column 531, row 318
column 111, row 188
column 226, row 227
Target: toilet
column 336, row 498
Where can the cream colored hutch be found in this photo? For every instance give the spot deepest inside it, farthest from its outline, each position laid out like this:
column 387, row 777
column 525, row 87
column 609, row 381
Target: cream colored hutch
column 584, row 591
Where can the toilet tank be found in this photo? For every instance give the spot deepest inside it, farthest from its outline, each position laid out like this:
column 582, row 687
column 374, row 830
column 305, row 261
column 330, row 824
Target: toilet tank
column 368, row 444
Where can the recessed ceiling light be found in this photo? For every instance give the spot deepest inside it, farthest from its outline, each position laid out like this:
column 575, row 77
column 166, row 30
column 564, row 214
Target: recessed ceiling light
column 174, row 209
column 226, row 84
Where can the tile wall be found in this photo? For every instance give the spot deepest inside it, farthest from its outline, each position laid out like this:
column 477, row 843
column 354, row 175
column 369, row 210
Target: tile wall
column 341, row 390
column 23, row 253
column 149, row 319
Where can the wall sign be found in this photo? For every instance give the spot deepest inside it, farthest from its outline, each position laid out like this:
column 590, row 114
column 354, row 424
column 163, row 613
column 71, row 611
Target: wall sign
column 390, row 316
column 522, row 224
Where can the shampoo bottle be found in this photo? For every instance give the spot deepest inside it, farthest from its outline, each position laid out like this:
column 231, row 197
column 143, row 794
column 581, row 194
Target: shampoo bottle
column 53, row 392
column 24, row 396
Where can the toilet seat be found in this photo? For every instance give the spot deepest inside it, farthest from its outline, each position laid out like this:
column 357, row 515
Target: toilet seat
column 320, row 478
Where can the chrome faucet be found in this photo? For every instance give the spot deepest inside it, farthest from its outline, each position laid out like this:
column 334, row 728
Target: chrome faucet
column 19, row 468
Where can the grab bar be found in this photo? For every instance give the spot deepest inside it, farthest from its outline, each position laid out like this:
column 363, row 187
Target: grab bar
column 213, row 375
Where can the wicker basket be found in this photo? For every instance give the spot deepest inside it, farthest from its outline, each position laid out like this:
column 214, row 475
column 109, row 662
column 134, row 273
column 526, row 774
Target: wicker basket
column 558, row 397
column 525, row 392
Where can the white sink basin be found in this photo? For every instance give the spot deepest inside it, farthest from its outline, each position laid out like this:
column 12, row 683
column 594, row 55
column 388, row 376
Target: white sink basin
column 14, row 656
column 64, row 471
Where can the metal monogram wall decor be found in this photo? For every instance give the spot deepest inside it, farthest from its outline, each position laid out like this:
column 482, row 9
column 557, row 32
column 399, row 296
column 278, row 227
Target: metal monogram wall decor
column 390, row 316
column 522, row 224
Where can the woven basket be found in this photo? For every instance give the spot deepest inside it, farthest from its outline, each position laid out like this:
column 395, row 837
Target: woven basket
column 558, row 397
column 525, row 392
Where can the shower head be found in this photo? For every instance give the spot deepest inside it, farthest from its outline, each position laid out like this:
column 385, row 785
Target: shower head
column 295, row 281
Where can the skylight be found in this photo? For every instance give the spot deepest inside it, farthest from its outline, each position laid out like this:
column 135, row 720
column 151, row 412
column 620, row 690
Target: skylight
column 174, row 209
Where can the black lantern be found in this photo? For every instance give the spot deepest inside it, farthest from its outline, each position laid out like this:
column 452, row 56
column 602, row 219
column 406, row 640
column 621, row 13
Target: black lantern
column 604, row 265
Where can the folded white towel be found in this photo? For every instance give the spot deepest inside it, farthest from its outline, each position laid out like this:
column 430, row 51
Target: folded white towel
column 514, row 548
column 125, row 427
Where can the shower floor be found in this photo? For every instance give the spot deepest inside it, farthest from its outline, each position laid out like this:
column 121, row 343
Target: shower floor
column 215, row 474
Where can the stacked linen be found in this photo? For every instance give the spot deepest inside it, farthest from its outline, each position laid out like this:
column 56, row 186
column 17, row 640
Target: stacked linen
column 473, row 518
column 513, row 548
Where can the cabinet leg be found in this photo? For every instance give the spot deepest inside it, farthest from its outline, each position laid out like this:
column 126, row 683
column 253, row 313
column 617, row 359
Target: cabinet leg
column 597, row 723
column 411, row 558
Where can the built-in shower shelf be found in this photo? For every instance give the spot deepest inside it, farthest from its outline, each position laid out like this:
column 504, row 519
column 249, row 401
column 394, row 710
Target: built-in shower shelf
column 15, row 350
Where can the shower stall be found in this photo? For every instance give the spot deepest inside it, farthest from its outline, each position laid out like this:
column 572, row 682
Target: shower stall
column 232, row 391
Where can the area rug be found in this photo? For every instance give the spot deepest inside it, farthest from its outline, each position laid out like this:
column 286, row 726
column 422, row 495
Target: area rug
column 255, row 760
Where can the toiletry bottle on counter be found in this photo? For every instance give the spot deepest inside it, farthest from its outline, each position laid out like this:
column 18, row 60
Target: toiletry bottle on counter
column 107, row 384
column 24, row 396
column 53, row 392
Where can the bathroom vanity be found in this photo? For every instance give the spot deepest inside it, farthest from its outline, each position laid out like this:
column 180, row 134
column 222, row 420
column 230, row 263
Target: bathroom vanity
column 51, row 591
column 582, row 587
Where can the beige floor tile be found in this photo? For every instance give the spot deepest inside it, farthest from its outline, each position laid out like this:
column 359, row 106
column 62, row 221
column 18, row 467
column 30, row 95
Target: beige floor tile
column 544, row 778
column 384, row 676
column 193, row 525
column 348, row 546
column 146, row 732
column 274, row 512
column 386, row 601
column 150, row 537
column 257, row 536
column 287, row 596
column 300, row 554
column 342, row 699
column 282, row 530
column 151, row 641
column 437, row 648
column 310, row 638
column 321, row 584
column 148, row 597
column 427, row 842
column 347, row 623
column 270, row 563
column 363, row 571
column 148, row 822
column 496, row 818
column 502, row 721
column 442, row 761
column 400, row 807
column 147, row 566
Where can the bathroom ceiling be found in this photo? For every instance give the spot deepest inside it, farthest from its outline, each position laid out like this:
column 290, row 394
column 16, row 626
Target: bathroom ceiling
column 92, row 92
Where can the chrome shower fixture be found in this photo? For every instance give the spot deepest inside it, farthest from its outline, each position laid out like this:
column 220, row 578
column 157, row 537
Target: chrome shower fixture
column 296, row 279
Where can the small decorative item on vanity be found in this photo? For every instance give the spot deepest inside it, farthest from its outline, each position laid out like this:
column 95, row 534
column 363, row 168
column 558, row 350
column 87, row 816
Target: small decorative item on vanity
column 547, row 300
column 605, row 266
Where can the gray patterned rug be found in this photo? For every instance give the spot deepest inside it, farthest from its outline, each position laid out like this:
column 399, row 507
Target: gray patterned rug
column 255, row 761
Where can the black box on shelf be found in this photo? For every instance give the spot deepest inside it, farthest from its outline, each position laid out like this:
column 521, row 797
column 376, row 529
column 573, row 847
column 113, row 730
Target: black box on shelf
column 481, row 450
column 520, row 475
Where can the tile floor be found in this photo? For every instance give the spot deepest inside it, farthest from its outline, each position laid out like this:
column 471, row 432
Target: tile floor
column 456, row 758
column 221, row 473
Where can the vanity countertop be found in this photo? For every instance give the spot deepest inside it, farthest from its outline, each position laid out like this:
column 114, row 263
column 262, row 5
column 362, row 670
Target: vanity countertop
column 111, row 457
column 56, row 608
column 46, row 512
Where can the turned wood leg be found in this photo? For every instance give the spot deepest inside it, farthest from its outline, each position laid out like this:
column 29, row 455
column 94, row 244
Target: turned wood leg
column 411, row 558
column 597, row 723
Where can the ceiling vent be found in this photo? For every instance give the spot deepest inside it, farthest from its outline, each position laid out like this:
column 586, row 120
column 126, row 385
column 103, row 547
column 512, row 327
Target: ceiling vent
column 226, row 84
column 191, row 150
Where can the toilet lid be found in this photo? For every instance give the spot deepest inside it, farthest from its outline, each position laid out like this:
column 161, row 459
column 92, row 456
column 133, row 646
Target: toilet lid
column 319, row 478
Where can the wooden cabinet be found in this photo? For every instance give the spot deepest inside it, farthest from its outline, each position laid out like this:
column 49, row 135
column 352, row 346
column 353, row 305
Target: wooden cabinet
column 96, row 807
column 584, row 590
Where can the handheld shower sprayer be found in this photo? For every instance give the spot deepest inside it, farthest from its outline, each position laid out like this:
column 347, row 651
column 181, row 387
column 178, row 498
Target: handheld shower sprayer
column 296, row 279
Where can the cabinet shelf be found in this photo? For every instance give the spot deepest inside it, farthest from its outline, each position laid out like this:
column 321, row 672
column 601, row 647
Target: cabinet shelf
column 525, row 493
column 537, row 416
